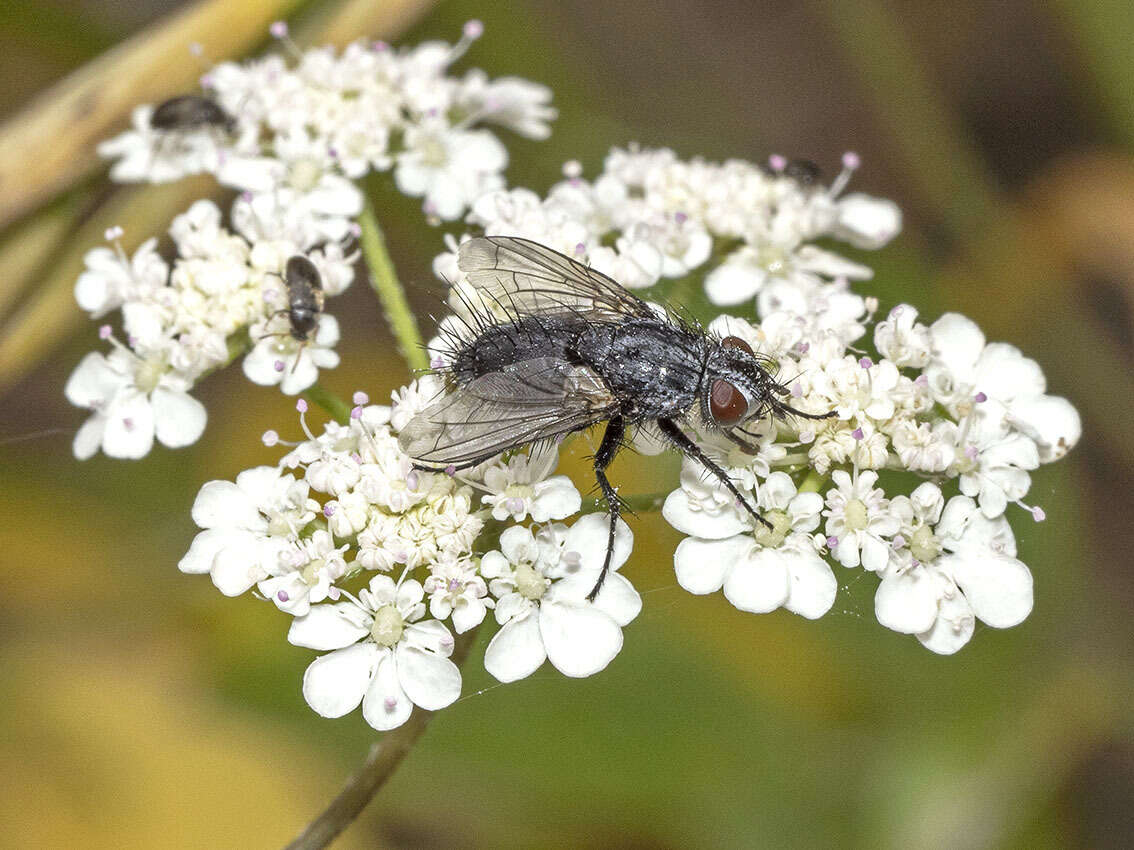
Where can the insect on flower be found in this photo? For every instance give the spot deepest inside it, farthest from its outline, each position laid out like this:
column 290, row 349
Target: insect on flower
column 304, row 300
column 189, row 112
column 553, row 347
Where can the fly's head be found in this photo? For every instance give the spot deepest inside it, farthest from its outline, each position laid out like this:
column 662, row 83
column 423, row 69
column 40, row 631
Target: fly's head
column 740, row 387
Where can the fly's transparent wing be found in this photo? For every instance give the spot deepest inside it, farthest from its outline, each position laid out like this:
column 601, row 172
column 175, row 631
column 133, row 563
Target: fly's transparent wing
column 531, row 400
column 522, row 278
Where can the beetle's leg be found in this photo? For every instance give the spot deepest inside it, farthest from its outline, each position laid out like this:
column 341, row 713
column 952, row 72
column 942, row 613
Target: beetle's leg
column 678, row 437
column 611, row 442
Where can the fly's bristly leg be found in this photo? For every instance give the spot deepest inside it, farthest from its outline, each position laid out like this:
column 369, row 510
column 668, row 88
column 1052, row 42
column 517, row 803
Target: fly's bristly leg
column 611, row 441
column 679, row 438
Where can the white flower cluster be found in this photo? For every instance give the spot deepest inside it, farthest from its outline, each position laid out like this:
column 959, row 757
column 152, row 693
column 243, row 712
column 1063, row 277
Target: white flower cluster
column 377, row 563
column 299, row 131
column 650, row 215
column 970, row 417
column 224, row 293
column 292, row 136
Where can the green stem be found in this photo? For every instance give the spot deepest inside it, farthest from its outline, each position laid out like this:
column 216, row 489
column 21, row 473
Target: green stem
column 339, row 409
column 813, row 483
column 384, row 281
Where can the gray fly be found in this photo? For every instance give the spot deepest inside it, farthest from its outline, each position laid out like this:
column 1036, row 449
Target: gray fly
column 551, row 347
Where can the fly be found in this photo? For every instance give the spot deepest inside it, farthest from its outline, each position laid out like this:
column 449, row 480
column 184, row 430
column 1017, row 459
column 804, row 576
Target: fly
column 304, row 300
column 189, row 112
column 555, row 347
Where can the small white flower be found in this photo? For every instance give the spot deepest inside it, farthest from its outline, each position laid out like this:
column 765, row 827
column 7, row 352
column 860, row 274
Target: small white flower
column 304, row 573
column 520, row 105
column 450, row 168
column 456, row 590
column 111, row 278
column 279, row 358
column 993, row 460
column 521, row 487
column 902, row 339
column 956, row 567
column 541, row 584
column 859, row 521
column 247, row 525
column 133, row 399
column 759, row 569
column 382, row 656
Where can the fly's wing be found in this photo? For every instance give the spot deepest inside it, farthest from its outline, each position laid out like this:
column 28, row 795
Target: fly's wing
column 531, row 400
column 523, row 278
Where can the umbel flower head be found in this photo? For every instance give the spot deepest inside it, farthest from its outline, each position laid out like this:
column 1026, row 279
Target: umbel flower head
column 292, row 136
column 383, row 566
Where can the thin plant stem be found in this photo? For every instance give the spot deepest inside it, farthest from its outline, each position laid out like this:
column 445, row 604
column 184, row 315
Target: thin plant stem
column 335, row 406
column 813, row 483
column 384, row 280
column 383, row 759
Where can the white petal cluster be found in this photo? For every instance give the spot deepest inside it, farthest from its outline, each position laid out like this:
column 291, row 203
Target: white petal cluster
column 380, row 564
column 305, row 128
column 935, row 400
column 650, row 216
column 939, row 401
column 223, row 293
column 301, row 132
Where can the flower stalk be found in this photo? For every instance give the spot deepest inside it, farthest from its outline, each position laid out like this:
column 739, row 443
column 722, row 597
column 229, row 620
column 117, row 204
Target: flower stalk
column 384, row 280
column 383, row 759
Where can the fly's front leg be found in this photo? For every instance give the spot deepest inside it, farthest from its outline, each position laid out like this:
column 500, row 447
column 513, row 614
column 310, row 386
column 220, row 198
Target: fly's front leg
column 611, row 442
column 679, row 438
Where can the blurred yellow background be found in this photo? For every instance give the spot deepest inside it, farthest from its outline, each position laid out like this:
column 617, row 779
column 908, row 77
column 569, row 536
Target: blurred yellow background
column 142, row 709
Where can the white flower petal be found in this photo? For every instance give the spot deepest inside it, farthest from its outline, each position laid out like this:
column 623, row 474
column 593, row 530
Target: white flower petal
column 259, row 364
column 867, row 222
column 129, row 426
column 618, row 599
column 333, row 684
column 1002, row 372
column 957, row 341
column 733, row 282
column 701, row 565
column 589, row 536
column 386, row 705
column 94, row 380
column 998, row 587
column 326, row 627
column 179, row 419
column 89, row 437
column 222, row 504
column 907, row 602
column 709, row 525
column 431, row 681
column 199, row 558
column 813, row 584
column 580, row 640
column 759, row 583
column 516, row 651
column 1051, row 421
column 954, row 626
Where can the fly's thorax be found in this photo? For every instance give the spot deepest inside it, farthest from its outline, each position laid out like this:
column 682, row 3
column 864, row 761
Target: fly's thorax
column 651, row 366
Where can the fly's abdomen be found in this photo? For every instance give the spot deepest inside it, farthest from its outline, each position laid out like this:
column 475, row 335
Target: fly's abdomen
column 500, row 346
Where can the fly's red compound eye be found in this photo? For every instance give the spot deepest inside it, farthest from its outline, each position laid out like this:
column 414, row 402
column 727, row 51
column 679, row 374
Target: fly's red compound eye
column 735, row 342
column 727, row 404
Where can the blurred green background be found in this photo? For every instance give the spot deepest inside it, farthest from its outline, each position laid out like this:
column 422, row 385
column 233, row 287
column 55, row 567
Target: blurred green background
column 142, row 709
